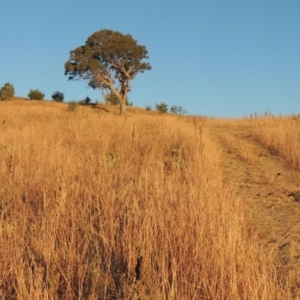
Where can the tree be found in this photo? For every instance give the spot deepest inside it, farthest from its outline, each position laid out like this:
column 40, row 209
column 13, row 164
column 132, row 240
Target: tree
column 7, row 91
column 88, row 100
column 36, row 95
column 109, row 60
column 162, row 107
column 58, row 96
column 178, row 110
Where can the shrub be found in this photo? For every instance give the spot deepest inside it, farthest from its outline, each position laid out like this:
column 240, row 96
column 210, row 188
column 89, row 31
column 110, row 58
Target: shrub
column 178, row 110
column 36, row 95
column 148, row 107
column 73, row 105
column 162, row 107
column 113, row 100
column 58, row 96
column 85, row 101
column 7, row 91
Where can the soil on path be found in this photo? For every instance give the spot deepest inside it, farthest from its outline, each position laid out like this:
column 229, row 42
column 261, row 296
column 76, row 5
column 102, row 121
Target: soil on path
column 271, row 192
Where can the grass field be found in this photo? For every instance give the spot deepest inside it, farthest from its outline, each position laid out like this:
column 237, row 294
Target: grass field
column 147, row 206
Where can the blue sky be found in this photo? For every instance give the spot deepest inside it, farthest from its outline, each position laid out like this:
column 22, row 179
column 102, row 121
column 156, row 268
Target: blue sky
column 226, row 58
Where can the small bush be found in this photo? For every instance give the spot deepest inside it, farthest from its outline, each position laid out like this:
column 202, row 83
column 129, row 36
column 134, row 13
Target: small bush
column 7, row 91
column 73, row 105
column 112, row 99
column 162, row 107
column 178, row 110
column 85, row 101
column 36, row 95
column 148, row 107
column 58, row 96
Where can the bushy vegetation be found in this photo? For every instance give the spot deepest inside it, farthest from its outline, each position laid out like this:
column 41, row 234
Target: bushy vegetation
column 161, row 107
column 178, row 110
column 35, row 95
column 85, row 101
column 58, row 96
column 80, row 220
column 7, row 91
column 113, row 100
column 73, row 105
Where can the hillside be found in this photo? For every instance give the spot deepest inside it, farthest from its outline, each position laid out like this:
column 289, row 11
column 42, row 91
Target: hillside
column 148, row 206
column 267, row 183
column 100, row 107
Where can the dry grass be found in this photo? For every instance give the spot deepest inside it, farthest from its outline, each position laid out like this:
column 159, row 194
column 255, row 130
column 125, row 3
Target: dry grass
column 269, row 183
column 280, row 135
column 240, row 148
column 95, row 206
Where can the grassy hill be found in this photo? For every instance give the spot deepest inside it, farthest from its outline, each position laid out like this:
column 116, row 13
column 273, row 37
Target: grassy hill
column 101, row 107
column 147, row 206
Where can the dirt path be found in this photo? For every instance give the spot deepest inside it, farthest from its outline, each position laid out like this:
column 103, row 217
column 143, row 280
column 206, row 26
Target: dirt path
column 271, row 192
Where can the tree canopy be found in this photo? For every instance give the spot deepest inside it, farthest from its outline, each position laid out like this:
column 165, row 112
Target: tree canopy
column 7, row 91
column 36, row 95
column 109, row 60
column 58, row 96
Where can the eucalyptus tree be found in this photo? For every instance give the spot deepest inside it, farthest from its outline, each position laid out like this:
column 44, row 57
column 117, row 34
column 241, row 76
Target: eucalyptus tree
column 109, row 61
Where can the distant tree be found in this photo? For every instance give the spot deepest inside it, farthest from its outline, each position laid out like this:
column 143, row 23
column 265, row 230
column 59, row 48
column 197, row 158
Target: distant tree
column 36, row 95
column 58, row 96
column 178, row 110
column 7, row 91
column 85, row 101
column 148, row 107
column 109, row 60
column 162, row 107
column 88, row 100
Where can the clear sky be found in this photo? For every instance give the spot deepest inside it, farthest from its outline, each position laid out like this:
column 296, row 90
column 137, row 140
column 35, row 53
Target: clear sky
column 221, row 58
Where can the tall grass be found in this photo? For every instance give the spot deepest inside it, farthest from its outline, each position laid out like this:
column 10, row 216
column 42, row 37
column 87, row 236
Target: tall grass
column 282, row 136
column 95, row 206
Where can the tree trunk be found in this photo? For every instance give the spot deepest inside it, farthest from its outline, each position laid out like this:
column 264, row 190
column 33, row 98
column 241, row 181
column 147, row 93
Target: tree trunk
column 122, row 99
column 123, row 109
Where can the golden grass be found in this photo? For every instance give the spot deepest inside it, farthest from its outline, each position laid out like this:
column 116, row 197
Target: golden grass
column 240, row 148
column 95, row 206
column 280, row 135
